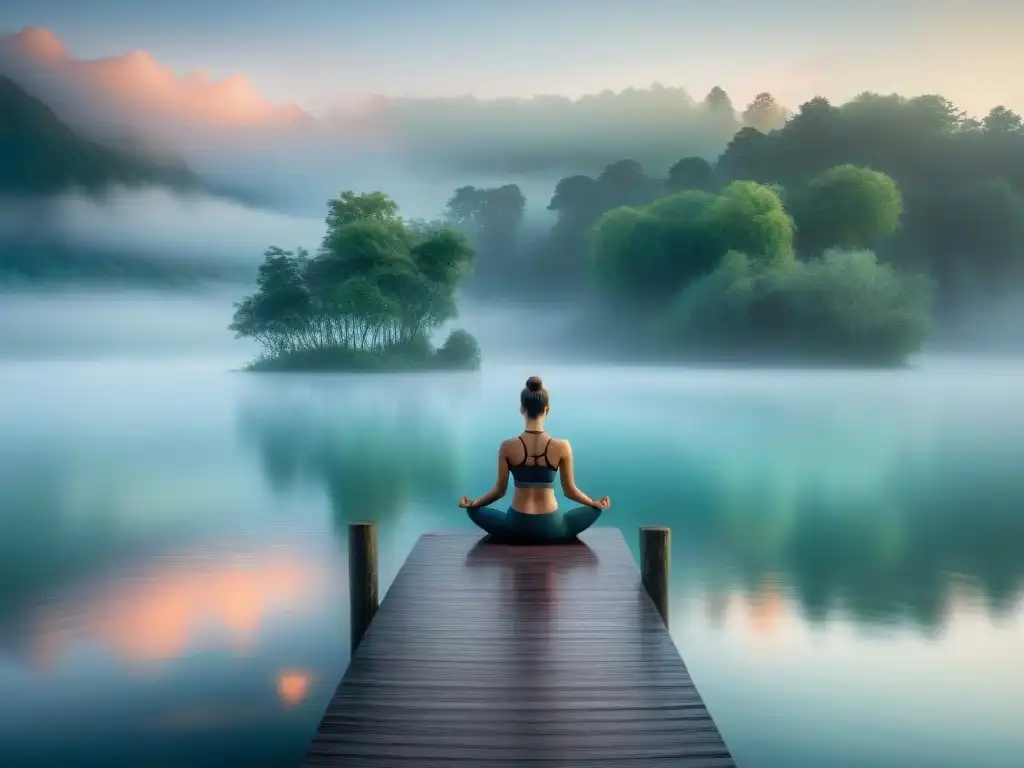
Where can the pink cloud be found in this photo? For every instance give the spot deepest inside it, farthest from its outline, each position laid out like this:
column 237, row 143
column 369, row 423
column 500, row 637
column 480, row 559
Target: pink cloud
column 137, row 84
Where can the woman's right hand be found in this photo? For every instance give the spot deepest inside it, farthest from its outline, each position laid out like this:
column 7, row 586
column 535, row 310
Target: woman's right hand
column 603, row 503
column 465, row 502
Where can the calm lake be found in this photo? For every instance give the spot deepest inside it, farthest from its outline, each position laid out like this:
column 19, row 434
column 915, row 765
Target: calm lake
column 848, row 548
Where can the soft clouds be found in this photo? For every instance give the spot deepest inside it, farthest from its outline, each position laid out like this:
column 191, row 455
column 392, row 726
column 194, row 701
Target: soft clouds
column 141, row 236
column 418, row 149
column 137, row 84
column 287, row 164
column 158, row 223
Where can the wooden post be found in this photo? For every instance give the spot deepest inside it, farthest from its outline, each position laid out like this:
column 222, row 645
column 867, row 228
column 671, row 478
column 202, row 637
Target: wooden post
column 655, row 558
column 362, row 578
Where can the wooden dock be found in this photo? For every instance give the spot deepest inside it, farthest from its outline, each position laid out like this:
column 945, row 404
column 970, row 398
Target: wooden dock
column 490, row 655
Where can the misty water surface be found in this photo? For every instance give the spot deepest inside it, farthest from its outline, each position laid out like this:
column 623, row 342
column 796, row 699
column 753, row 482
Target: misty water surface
column 848, row 547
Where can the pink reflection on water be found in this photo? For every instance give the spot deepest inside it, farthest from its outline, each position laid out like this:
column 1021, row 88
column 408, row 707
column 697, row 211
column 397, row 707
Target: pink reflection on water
column 293, row 687
column 161, row 610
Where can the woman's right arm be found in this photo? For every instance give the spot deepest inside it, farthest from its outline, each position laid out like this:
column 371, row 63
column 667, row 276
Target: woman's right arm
column 569, row 488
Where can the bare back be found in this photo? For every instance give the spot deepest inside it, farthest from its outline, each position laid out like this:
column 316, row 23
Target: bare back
column 543, row 451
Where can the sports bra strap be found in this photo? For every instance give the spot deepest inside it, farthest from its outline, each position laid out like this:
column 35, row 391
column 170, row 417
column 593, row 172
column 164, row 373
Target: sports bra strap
column 526, row 453
column 536, row 456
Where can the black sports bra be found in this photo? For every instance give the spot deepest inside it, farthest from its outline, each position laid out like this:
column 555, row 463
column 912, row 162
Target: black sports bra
column 534, row 475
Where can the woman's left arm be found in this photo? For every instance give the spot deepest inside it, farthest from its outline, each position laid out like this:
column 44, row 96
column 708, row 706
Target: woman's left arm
column 500, row 485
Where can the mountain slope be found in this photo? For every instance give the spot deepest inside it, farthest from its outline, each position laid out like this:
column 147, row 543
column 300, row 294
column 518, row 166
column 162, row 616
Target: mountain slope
column 40, row 158
column 40, row 155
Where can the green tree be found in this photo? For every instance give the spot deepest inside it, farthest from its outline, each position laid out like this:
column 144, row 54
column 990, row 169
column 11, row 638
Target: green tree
column 751, row 218
column 847, row 207
column 812, row 141
column 751, row 156
column 350, row 207
column 764, row 113
column 492, row 219
column 624, row 174
column 496, row 213
column 280, row 311
column 691, row 173
column 576, row 198
column 460, row 350
column 981, row 232
column 1002, row 121
column 718, row 104
column 650, row 252
column 374, row 292
column 844, row 306
column 645, row 253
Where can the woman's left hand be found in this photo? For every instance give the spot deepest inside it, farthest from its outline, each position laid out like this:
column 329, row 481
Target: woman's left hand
column 465, row 502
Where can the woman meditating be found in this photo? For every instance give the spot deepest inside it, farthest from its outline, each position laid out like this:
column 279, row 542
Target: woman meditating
column 534, row 458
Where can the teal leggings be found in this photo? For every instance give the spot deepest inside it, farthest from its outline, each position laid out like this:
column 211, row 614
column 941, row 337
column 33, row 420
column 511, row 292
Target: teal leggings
column 514, row 527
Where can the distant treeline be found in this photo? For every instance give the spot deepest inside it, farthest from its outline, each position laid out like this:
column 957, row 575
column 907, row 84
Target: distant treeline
column 937, row 195
column 548, row 134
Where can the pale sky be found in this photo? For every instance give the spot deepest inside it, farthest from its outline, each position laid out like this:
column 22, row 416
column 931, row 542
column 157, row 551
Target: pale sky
column 318, row 52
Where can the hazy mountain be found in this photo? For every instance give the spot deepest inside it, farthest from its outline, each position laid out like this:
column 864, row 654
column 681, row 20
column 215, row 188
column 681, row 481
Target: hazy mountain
column 40, row 155
column 53, row 180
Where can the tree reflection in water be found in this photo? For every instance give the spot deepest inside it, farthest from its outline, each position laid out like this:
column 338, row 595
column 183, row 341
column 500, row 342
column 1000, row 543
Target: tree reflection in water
column 372, row 451
column 870, row 518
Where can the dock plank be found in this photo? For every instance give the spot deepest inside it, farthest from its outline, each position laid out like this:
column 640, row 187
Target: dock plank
column 486, row 654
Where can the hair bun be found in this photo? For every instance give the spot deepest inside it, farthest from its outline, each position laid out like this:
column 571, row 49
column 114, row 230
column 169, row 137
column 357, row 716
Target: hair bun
column 534, row 384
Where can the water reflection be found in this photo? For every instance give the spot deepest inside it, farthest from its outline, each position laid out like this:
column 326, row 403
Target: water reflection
column 535, row 604
column 771, row 677
column 528, row 562
column 372, row 450
column 51, row 534
column 176, row 647
column 293, row 687
column 872, row 519
column 167, row 560
column 157, row 613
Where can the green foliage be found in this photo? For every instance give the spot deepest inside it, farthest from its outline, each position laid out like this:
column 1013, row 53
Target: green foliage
column 649, row 253
column 983, row 226
column 491, row 219
column 691, row 173
column 750, row 217
column 498, row 210
column 369, row 299
column 460, row 350
column 1002, row 121
column 348, row 208
column 915, row 180
column 722, row 269
column 847, row 207
column 844, row 306
column 443, row 256
column 764, row 113
column 936, row 154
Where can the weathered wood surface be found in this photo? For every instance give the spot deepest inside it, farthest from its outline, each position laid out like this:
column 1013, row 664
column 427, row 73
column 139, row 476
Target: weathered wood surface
column 490, row 655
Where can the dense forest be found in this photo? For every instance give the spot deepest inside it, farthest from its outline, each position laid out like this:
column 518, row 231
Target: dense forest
column 839, row 230
column 368, row 300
